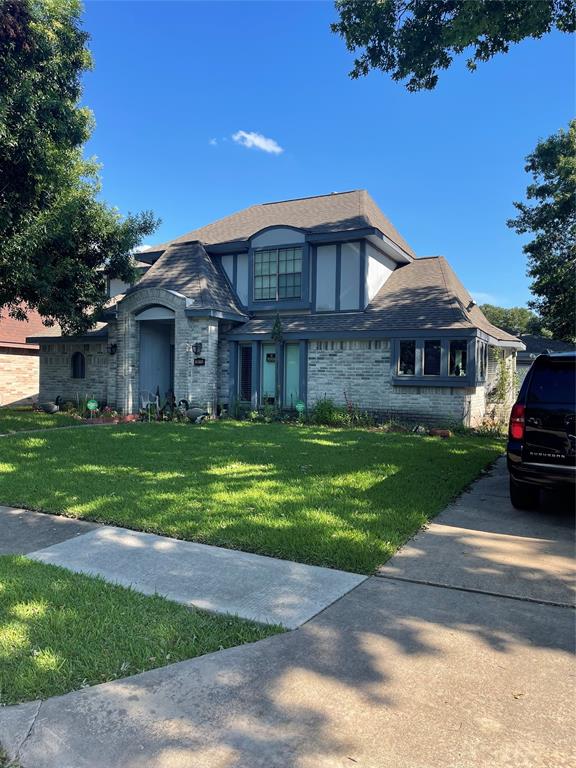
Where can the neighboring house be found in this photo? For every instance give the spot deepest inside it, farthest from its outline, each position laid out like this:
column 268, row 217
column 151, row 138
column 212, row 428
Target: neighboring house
column 537, row 345
column 19, row 360
column 363, row 321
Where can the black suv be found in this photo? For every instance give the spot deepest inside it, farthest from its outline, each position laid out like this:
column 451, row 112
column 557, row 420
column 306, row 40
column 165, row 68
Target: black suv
column 542, row 431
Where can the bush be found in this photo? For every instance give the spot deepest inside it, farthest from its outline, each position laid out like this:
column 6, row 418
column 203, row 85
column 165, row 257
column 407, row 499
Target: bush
column 327, row 413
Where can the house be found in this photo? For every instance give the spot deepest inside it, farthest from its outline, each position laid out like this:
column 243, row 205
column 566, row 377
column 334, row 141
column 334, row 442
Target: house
column 363, row 320
column 534, row 346
column 20, row 360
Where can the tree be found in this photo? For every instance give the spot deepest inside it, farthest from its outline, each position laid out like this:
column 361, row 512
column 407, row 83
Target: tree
column 415, row 39
column 516, row 320
column 56, row 237
column 552, row 220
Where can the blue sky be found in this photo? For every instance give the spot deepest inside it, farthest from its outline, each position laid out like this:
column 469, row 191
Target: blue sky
column 173, row 82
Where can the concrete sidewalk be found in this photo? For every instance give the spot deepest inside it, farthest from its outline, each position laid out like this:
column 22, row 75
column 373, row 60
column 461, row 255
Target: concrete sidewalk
column 396, row 674
column 263, row 589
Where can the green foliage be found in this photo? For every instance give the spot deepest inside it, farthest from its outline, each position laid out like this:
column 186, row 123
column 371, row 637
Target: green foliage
column 516, row 320
column 60, row 631
column 551, row 218
column 277, row 333
column 345, row 498
column 499, row 393
column 415, row 39
column 327, row 413
column 25, row 419
column 56, row 237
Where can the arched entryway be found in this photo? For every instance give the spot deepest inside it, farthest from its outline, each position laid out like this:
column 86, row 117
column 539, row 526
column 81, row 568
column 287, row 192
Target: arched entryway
column 156, row 358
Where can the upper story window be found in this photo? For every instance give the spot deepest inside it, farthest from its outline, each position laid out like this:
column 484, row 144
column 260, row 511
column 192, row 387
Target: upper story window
column 278, row 274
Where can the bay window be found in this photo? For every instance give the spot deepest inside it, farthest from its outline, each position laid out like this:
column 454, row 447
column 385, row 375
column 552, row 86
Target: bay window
column 458, row 361
column 438, row 362
column 432, row 357
column 407, row 358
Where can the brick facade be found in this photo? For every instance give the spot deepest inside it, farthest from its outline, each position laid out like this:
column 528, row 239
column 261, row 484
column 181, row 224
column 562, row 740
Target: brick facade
column 114, row 379
column 19, row 376
column 56, row 372
column 357, row 371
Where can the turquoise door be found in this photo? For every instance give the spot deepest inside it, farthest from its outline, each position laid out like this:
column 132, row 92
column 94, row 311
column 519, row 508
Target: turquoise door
column 268, row 374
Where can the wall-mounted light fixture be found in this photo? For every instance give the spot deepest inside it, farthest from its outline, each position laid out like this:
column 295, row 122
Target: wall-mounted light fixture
column 112, row 349
column 197, row 348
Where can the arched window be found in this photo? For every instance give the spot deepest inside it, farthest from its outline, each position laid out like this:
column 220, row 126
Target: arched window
column 78, row 366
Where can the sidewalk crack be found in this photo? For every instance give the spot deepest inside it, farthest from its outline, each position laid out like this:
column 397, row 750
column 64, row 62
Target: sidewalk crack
column 18, row 751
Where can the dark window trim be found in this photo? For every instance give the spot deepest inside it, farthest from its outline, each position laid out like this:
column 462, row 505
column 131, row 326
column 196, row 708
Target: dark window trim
column 277, row 249
column 78, row 365
column 443, row 379
column 292, row 303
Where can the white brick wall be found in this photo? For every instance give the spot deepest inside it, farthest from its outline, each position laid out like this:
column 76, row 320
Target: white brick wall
column 359, row 371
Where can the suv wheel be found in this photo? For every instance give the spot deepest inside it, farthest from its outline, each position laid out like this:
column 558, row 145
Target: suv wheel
column 523, row 496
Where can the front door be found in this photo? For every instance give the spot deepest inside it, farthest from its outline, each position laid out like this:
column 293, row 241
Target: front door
column 268, row 374
column 156, row 368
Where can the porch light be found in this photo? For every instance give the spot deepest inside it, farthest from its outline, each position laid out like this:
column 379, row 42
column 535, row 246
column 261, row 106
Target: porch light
column 112, row 349
column 197, row 348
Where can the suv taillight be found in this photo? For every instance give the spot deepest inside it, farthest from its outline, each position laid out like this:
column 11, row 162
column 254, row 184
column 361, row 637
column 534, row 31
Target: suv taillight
column 516, row 426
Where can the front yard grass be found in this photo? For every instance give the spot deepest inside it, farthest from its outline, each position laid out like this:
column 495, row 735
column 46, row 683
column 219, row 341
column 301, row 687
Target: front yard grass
column 340, row 498
column 60, row 631
column 23, row 419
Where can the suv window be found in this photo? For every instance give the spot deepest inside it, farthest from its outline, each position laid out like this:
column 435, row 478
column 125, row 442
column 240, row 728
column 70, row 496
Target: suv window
column 553, row 382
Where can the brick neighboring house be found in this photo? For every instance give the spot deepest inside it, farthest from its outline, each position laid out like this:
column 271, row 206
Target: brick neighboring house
column 20, row 360
column 363, row 319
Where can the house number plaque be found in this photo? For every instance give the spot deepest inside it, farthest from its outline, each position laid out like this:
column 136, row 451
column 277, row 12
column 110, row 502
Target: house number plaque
column 199, row 361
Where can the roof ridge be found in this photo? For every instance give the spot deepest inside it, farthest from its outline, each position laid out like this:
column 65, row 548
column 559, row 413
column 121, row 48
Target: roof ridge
column 311, row 197
column 442, row 261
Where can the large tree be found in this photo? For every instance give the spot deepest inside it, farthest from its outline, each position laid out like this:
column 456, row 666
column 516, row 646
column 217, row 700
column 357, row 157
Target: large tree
column 516, row 320
column 415, row 39
column 550, row 216
column 56, row 236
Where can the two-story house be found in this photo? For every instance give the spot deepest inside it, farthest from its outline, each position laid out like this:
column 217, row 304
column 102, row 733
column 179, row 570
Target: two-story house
column 363, row 320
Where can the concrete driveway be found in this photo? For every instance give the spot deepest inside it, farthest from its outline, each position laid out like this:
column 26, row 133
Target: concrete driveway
column 459, row 654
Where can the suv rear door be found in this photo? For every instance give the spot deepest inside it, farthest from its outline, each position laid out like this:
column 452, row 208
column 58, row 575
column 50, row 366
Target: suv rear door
column 550, row 412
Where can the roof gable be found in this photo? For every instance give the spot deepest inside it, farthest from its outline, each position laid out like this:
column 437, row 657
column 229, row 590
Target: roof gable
column 189, row 270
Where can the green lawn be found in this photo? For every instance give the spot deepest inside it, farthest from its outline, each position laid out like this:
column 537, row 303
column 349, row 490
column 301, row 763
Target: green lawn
column 60, row 631
column 341, row 498
column 22, row 419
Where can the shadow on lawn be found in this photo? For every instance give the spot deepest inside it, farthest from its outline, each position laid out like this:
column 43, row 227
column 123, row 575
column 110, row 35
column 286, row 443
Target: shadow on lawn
column 346, row 499
column 388, row 666
column 394, row 673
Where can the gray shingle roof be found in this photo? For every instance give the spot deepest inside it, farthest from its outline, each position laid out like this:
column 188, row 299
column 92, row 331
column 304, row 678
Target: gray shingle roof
column 189, row 270
column 337, row 212
column 422, row 294
column 538, row 345
column 427, row 294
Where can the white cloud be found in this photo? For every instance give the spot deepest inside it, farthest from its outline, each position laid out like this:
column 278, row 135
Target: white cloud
column 213, row 142
column 254, row 140
column 142, row 248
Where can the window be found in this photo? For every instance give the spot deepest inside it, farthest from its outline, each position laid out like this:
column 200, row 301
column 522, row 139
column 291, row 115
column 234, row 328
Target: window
column 432, row 357
column 458, row 360
column 553, row 381
column 277, row 274
column 245, row 373
column 481, row 359
column 78, row 366
column 407, row 358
